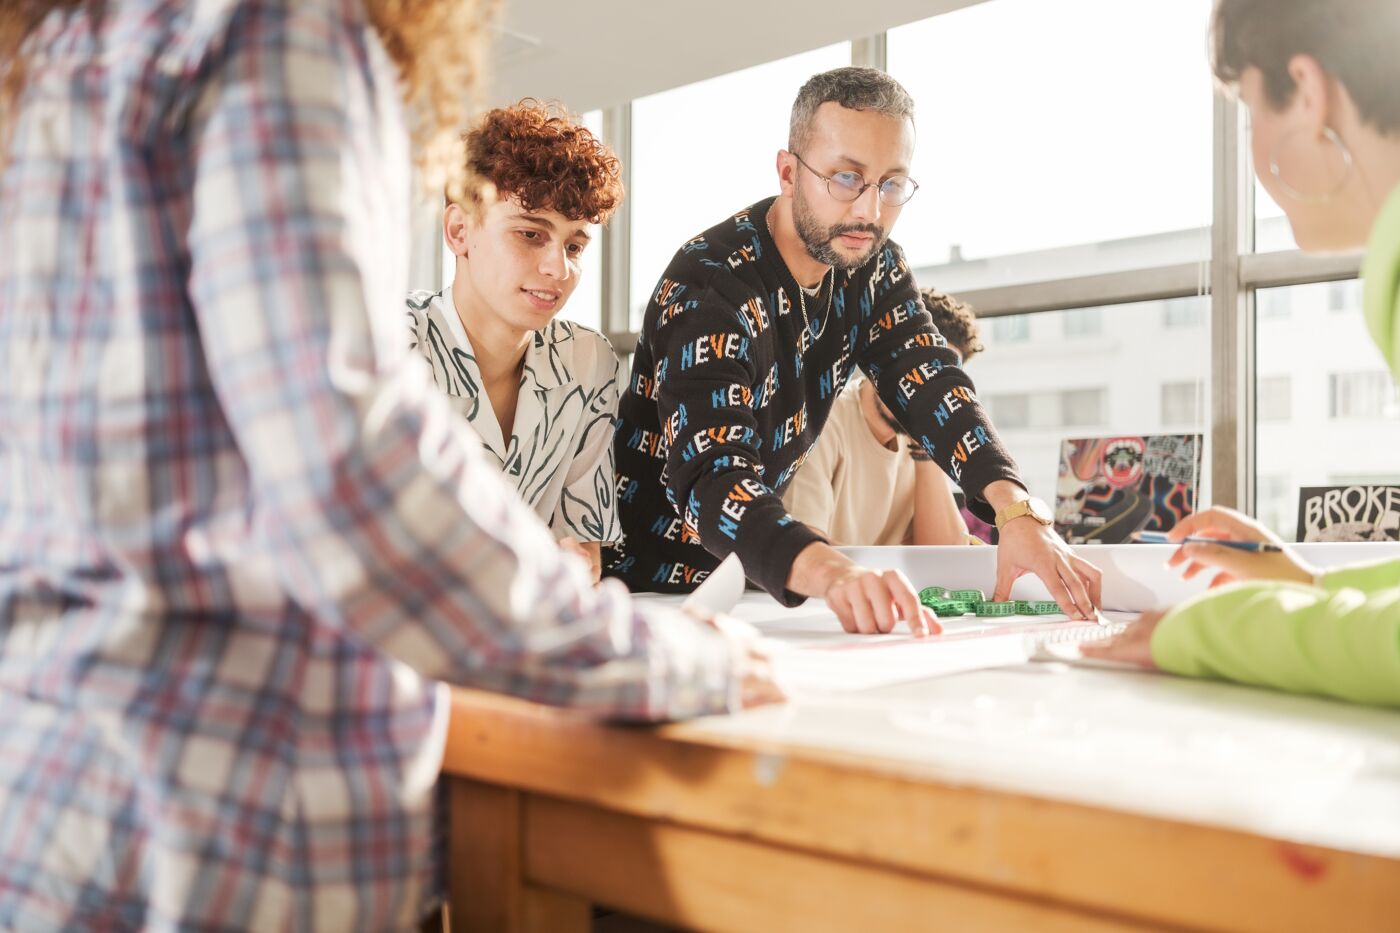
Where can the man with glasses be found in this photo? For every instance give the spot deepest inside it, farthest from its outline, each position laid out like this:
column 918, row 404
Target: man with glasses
column 749, row 336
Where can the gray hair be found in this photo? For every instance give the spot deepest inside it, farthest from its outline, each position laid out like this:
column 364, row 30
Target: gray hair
column 853, row 88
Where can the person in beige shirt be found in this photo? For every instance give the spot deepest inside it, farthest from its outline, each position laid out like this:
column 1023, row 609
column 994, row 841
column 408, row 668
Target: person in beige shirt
column 865, row 482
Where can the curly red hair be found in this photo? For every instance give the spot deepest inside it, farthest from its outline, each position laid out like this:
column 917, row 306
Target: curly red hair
column 538, row 155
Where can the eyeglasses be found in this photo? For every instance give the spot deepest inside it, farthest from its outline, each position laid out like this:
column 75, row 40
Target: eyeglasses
column 847, row 186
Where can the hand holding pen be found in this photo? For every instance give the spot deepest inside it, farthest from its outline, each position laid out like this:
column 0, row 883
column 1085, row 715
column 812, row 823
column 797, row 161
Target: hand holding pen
column 1252, row 547
column 1233, row 545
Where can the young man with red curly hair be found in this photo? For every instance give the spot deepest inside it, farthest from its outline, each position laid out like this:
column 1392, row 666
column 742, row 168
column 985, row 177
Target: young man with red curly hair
column 540, row 392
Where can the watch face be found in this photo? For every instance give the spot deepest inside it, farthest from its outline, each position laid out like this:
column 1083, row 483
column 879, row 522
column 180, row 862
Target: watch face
column 1040, row 511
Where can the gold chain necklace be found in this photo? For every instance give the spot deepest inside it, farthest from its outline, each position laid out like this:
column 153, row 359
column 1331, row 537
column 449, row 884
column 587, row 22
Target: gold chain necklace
column 802, row 292
column 802, row 303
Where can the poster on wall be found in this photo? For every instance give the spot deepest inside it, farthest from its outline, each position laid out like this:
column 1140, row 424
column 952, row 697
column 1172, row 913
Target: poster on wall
column 1111, row 487
column 1349, row 513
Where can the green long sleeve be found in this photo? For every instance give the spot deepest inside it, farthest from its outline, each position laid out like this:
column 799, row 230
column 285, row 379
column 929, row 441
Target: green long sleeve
column 1368, row 578
column 1340, row 638
column 1334, row 639
column 1381, row 274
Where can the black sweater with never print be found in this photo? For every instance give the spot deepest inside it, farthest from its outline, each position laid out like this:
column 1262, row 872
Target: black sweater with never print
column 728, row 393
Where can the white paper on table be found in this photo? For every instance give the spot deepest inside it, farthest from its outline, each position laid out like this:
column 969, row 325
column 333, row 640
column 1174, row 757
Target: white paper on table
column 1069, row 653
column 721, row 590
column 811, row 654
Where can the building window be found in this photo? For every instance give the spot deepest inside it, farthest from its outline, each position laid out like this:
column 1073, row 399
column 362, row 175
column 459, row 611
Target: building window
column 1277, row 503
column 1337, row 419
column 1182, row 403
column 1363, row 395
column 1183, row 312
column 1010, row 412
column 1275, row 399
column 1083, row 408
column 1083, row 322
column 1344, row 296
column 1012, row 329
column 1273, row 486
column 1274, row 304
column 1027, row 400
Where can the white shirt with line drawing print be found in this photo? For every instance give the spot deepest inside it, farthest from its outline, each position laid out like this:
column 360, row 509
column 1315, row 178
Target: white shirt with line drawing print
column 559, row 454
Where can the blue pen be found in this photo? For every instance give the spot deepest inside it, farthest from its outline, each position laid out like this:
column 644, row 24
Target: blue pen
column 1157, row 537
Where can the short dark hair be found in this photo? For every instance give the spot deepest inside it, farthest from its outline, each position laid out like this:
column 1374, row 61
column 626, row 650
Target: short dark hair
column 955, row 320
column 1356, row 41
column 853, row 88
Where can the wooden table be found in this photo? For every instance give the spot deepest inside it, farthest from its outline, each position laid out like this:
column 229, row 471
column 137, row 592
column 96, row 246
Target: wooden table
column 723, row 825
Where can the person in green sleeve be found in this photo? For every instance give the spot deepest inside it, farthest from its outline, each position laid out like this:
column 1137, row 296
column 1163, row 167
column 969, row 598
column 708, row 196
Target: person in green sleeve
column 1320, row 81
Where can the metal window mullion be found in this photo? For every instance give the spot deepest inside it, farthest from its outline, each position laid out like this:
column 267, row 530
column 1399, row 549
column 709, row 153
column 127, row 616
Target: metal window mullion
column 1232, row 427
column 617, row 236
column 425, row 268
column 1295, row 267
column 870, row 51
column 1157, row 283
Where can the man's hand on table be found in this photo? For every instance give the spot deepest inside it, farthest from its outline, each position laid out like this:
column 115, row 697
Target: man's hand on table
column 1026, row 546
column 866, row 601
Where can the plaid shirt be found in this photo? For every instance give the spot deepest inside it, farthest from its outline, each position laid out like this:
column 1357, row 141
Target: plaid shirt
column 239, row 527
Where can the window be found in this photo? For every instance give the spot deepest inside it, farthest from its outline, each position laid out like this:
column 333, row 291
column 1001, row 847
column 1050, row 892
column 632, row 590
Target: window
column 1343, row 296
column 1059, row 387
column 1010, row 411
column 706, row 150
column 1182, row 403
column 1183, row 312
column 1272, row 232
column 586, row 304
column 1342, row 414
column 1011, row 329
column 1275, row 492
column 1082, row 408
column 1274, row 305
column 1363, row 395
column 1050, row 131
column 1275, row 401
column 1083, row 322
column 1361, row 479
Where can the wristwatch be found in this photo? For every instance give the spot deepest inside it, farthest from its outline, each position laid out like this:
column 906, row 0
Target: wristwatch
column 1032, row 508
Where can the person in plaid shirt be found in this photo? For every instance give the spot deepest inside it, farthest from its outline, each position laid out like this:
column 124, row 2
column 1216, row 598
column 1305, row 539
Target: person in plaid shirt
column 241, row 533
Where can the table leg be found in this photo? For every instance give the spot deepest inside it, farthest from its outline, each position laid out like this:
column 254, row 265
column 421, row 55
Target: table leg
column 486, row 886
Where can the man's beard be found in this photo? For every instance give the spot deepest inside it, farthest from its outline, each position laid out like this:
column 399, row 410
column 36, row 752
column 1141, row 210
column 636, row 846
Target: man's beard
column 818, row 241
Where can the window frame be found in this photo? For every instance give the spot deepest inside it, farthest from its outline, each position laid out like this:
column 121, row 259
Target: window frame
column 1230, row 279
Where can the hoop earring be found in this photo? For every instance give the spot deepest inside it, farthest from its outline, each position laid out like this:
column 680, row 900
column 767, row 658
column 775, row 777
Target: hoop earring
column 1331, row 136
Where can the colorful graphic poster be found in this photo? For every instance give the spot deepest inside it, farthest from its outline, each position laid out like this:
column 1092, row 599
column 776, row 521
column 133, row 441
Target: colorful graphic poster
column 1349, row 513
column 1111, row 487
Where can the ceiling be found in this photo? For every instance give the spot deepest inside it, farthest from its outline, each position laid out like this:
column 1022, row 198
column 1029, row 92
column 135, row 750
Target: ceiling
column 597, row 53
